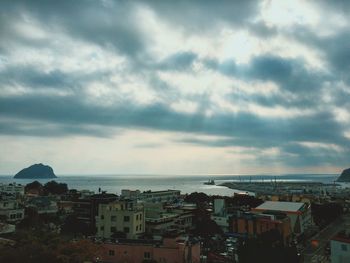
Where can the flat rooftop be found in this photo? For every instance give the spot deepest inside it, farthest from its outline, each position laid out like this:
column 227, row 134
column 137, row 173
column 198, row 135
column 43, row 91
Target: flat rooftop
column 280, row 206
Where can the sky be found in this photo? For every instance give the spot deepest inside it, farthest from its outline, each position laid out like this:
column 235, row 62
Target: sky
column 175, row 87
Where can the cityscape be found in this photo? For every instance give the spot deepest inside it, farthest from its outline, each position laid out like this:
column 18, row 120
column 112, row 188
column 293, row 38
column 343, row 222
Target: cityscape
column 281, row 221
column 188, row 131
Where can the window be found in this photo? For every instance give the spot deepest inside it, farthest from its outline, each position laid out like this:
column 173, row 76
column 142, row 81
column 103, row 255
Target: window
column 111, row 252
column 140, row 227
column 19, row 215
column 113, row 229
column 140, row 216
column 102, row 217
column 147, row 255
column 113, row 218
column 126, row 218
column 137, row 217
column 126, row 230
column 102, row 228
column 137, row 228
column 13, row 216
column 344, row 247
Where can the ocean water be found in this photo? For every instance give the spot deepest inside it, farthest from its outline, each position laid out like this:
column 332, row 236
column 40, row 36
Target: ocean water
column 186, row 184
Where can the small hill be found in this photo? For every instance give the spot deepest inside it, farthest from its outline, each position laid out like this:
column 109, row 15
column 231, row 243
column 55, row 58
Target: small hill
column 36, row 171
column 345, row 176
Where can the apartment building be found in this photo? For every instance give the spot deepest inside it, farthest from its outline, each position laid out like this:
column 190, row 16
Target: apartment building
column 160, row 196
column 121, row 216
column 299, row 213
column 12, row 189
column 252, row 225
column 10, row 209
column 169, row 250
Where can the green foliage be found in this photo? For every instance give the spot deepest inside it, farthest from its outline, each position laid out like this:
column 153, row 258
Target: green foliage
column 34, row 186
column 269, row 247
column 40, row 246
column 197, row 198
column 74, row 226
column 323, row 214
column 55, row 188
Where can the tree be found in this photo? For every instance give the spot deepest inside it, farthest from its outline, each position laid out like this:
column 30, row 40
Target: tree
column 323, row 214
column 78, row 251
column 34, row 186
column 40, row 246
column 72, row 225
column 55, row 188
column 269, row 247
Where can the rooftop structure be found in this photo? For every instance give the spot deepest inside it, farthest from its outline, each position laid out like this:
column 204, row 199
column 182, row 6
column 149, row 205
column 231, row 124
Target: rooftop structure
column 292, row 207
column 170, row 250
column 122, row 216
column 299, row 213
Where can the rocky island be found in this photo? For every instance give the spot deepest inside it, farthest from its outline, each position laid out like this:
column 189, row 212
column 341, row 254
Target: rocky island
column 345, row 176
column 36, row 171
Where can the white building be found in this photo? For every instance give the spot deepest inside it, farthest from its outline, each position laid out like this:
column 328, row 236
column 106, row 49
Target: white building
column 299, row 213
column 7, row 228
column 120, row 216
column 13, row 189
column 160, row 196
column 130, row 194
column 220, row 215
column 340, row 248
column 10, row 210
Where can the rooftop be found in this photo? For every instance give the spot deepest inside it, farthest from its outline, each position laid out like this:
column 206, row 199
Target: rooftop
column 280, row 206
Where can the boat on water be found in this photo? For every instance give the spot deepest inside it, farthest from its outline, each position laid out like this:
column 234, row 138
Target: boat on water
column 210, row 182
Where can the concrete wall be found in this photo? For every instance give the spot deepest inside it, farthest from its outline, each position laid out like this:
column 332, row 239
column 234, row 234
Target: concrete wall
column 340, row 252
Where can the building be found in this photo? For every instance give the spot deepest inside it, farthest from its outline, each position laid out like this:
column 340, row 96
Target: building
column 12, row 189
column 44, row 204
column 86, row 209
column 160, row 196
column 252, row 225
column 130, row 194
column 126, row 216
column 220, row 215
column 299, row 213
column 162, row 219
column 10, row 209
column 7, row 228
column 169, row 250
column 340, row 247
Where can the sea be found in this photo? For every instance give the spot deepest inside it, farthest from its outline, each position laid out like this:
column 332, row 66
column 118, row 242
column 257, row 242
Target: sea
column 185, row 183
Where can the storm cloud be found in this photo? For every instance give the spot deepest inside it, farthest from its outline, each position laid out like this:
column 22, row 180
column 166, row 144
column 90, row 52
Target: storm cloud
column 246, row 76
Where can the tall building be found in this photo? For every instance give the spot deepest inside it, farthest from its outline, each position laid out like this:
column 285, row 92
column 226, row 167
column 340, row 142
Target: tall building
column 122, row 216
column 252, row 225
column 10, row 209
column 160, row 196
column 299, row 213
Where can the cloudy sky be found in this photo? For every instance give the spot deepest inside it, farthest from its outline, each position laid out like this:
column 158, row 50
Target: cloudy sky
column 175, row 87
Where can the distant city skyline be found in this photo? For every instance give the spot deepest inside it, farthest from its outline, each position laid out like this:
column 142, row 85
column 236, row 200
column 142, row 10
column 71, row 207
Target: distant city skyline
column 175, row 87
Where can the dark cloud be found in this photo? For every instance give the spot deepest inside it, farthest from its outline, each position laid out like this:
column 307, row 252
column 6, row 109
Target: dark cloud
column 289, row 74
column 115, row 26
column 179, row 61
column 203, row 15
column 111, row 26
column 32, row 77
column 247, row 128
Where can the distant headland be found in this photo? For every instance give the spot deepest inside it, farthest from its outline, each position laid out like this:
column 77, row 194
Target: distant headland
column 345, row 176
column 36, row 171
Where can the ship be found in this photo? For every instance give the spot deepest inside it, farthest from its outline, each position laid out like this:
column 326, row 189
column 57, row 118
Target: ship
column 210, row 182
